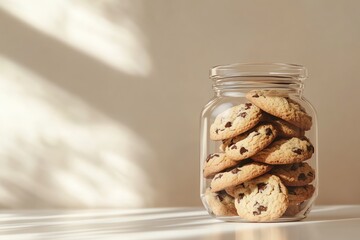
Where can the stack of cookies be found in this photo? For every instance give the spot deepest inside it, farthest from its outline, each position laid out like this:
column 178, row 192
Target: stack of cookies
column 259, row 172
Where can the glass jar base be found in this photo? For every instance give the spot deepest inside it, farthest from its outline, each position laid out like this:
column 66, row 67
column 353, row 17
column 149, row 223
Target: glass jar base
column 237, row 219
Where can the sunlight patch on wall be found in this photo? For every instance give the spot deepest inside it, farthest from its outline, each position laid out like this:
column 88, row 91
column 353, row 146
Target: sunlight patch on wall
column 57, row 151
column 105, row 29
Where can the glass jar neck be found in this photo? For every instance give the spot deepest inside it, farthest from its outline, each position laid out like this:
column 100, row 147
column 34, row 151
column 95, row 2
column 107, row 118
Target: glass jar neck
column 239, row 86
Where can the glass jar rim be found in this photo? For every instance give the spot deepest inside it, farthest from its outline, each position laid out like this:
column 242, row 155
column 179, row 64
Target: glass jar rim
column 280, row 70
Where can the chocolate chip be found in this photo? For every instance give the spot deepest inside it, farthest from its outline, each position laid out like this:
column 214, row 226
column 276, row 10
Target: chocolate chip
column 228, row 124
column 240, row 196
column 259, row 210
column 302, row 177
column 221, row 198
column 247, row 106
column 310, row 148
column 233, row 146
column 310, row 174
column 294, row 167
column 262, row 208
column 218, row 176
column 243, row 114
column 243, row 150
column 217, row 131
column 280, row 188
column 261, row 187
column 212, row 156
column 255, row 95
column 268, row 132
column 297, row 150
column 235, row 171
column 291, row 191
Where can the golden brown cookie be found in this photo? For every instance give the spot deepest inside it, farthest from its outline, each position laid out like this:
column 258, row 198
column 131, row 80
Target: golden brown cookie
column 300, row 194
column 217, row 162
column 281, row 106
column 284, row 128
column 220, row 203
column 234, row 121
column 297, row 174
column 286, row 151
column 241, row 173
column 251, row 142
column 261, row 199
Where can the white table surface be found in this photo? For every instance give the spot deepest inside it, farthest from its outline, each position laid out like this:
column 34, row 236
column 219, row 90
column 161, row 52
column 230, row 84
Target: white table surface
column 324, row 222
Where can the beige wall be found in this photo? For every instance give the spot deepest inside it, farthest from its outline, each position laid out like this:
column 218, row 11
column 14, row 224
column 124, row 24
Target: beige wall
column 101, row 102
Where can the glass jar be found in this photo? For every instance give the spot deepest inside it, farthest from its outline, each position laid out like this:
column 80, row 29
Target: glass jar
column 258, row 145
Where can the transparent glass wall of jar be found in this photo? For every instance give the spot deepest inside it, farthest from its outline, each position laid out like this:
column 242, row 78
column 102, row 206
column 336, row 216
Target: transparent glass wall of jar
column 258, row 144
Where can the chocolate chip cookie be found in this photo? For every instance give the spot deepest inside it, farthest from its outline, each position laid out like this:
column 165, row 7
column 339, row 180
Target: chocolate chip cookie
column 245, row 171
column 300, row 194
column 220, row 203
column 261, row 199
column 297, row 174
column 297, row 197
column 280, row 105
column 251, row 142
column 216, row 163
column 286, row 151
column 284, row 129
column 293, row 209
column 234, row 121
column 231, row 190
